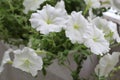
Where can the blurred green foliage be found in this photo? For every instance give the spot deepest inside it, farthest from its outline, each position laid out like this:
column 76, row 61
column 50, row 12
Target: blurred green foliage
column 14, row 24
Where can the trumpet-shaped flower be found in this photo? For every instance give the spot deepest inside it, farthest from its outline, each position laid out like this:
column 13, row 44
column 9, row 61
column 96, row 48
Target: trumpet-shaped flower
column 94, row 39
column 108, row 27
column 107, row 64
column 49, row 19
column 6, row 59
column 31, row 5
column 76, row 27
column 27, row 60
column 93, row 3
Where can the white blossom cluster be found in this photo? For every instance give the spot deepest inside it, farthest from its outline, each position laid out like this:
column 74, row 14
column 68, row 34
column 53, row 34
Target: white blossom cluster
column 96, row 33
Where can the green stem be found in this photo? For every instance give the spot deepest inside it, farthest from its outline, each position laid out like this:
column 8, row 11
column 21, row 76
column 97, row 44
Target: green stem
column 39, row 52
column 10, row 5
column 87, row 8
column 80, row 58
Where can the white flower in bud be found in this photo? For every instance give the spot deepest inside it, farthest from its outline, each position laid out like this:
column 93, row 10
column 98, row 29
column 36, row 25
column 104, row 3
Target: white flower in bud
column 31, row 5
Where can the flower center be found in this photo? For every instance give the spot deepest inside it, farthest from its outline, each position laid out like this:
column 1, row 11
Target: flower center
column 95, row 39
column 27, row 62
column 76, row 26
column 49, row 21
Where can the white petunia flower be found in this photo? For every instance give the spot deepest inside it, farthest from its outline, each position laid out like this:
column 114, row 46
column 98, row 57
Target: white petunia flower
column 27, row 60
column 107, row 64
column 49, row 19
column 6, row 59
column 93, row 3
column 76, row 27
column 108, row 27
column 94, row 39
column 115, row 4
column 31, row 5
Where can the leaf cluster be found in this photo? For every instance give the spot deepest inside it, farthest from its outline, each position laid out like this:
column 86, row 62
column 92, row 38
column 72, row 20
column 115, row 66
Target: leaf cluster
column 14, row 24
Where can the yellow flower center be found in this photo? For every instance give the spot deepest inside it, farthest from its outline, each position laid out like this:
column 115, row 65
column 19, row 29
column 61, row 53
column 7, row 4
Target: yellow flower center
column 27, row 63
column 76, row 26
column 95, row 39
column 49, row 21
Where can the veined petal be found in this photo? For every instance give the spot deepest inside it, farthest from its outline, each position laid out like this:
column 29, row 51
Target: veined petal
column 108, row 27
column 94, row 39
column 76, row 27
column 27, row 60
column 49, row 19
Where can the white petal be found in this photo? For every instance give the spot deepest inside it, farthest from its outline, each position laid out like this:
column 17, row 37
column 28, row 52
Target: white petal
column 112, row 16
column 107, row 64
column 31, row 5
column 94, row 39
column 27, row 60
column 60, row 5
column 107, row 27
column 93, row 3
column 113, row 28
column 49, row 19
column 6, row 59
column 76, row 27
